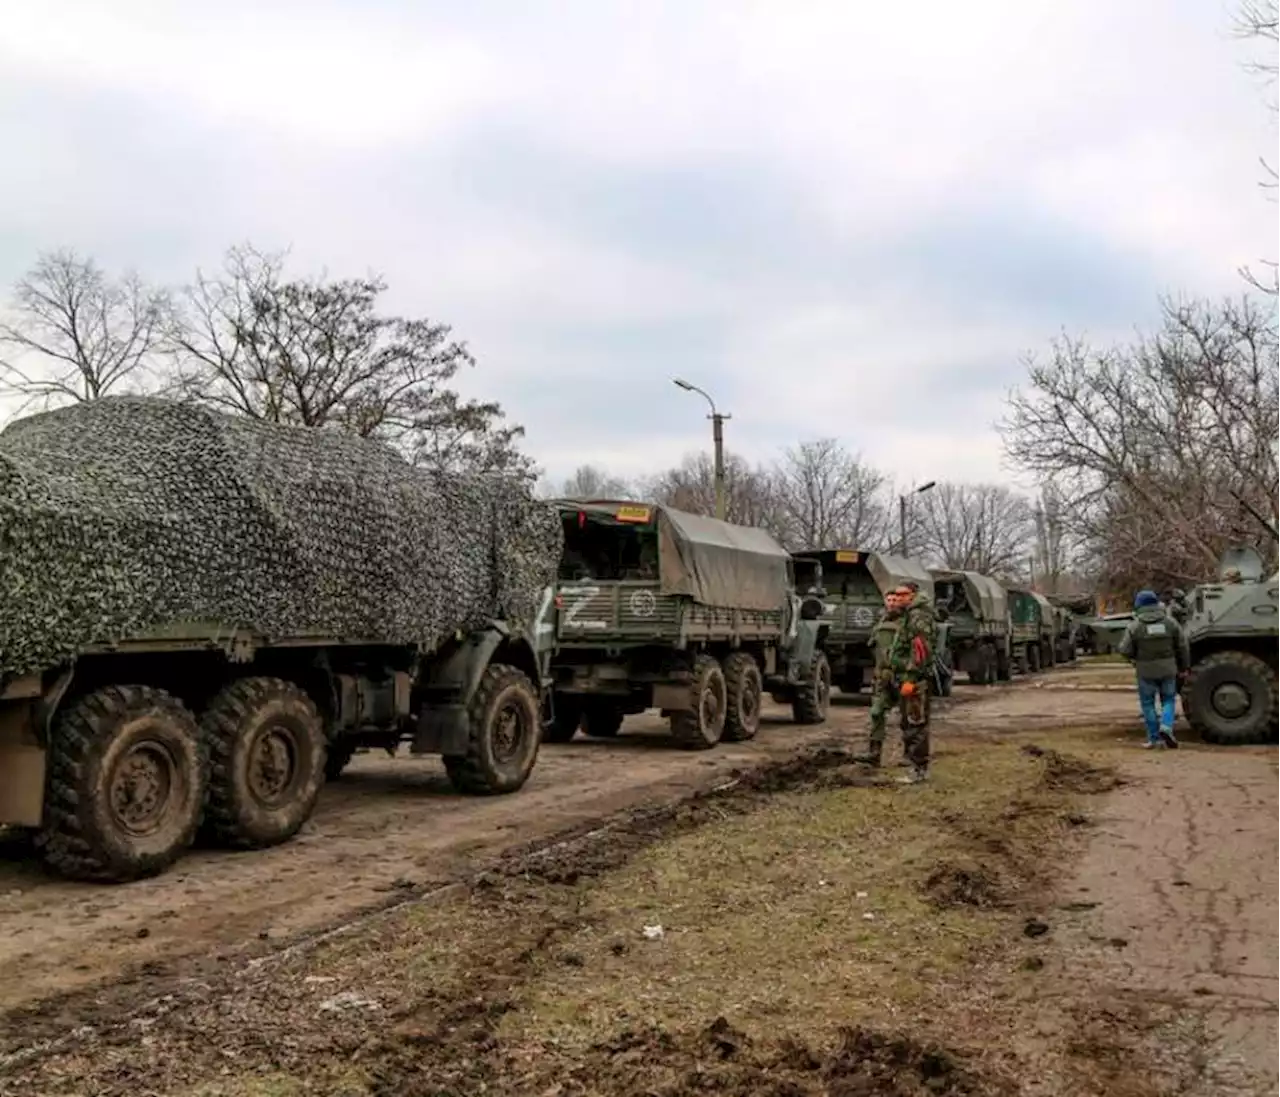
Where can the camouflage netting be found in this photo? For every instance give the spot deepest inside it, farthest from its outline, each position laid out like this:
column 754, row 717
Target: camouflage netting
column 129, row 514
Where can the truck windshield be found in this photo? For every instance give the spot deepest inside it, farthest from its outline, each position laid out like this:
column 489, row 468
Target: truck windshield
column 602, row 549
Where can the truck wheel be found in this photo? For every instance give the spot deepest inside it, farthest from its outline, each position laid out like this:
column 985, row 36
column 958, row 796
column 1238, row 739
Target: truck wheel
column 1002, row 666
column 564, row 725
column 1230, row 699
column 503, row 745
column 602, row 721
column 126, row 785
column 983, row 662
column 814, row 694
column 744, row 688
column 266, row 762
column 337, row 757
column 702, row 728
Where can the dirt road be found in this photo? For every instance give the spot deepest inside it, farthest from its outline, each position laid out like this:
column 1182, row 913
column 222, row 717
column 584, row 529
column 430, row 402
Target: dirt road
column 1160, row 932
column 389, row 827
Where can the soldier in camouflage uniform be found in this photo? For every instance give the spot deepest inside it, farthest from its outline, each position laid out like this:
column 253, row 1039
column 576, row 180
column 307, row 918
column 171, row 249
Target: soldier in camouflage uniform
column 903, row 640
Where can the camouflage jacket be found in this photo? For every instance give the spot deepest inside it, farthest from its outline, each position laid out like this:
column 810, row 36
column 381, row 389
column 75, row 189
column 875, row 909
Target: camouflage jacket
column 897, row 653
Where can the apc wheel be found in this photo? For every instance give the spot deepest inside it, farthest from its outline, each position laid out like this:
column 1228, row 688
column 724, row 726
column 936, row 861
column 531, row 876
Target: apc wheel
column 564, row 725
column 336, row 759
column 267, row 760
column 744, row 689
column 505, row 734
column 602, row 721
column 701, row 728
column 813, row 695
column 126, row 785
column 1230, row 699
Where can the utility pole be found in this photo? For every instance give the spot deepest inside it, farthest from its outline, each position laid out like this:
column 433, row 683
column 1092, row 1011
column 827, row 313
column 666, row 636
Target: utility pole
column 902, row 515
column 717, row 439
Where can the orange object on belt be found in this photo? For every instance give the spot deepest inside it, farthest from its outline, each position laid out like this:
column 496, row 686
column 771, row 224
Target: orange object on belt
column 908, row 689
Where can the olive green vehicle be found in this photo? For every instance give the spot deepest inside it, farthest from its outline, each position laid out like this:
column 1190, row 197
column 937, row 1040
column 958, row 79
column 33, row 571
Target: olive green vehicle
column 977, row 609
column 854, row 584
column 658, row 608
column 1230, row 695
column 1032, row 630
column 104, row 757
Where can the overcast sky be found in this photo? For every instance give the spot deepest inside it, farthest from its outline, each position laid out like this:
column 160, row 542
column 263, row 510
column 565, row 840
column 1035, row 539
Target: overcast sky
column 842, row 219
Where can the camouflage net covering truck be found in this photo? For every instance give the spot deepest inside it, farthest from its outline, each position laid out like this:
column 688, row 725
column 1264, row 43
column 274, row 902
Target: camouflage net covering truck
column 977, row 609
column 200, row 614
column 1231, row 696
column 855, row 583
column 658, row 608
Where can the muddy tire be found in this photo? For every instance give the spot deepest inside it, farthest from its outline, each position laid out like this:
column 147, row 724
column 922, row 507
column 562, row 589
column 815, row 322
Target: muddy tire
column 602, row 721
column 813, row 696
column 267, row 758
column 980, row 674
column 744, row 691
column 1002, row 665
column 337, row 757
column 125, row 786
column 702, row 728
column 1230, row 699
column 505, row 734
column 566, row 721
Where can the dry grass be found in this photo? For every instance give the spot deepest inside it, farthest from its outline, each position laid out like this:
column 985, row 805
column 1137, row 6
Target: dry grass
column 808, row 912
column 795, row 914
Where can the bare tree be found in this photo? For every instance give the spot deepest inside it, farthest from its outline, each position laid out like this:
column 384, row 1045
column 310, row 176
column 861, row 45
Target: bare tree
column 827, row 497
column 316, row 352
column 1259, row 20
column 1054, row 555
column 750, row 493
column 975, row 527
column 1148, row 442
column 592, row 482
column 78, row 333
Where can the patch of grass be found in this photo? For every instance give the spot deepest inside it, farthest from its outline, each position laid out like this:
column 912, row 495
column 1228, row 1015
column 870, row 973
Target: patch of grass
column 814, row 909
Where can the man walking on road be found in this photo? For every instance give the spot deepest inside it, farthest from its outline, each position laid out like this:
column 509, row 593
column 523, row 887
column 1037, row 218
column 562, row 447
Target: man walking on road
column 1157, row 646
column 903, row 641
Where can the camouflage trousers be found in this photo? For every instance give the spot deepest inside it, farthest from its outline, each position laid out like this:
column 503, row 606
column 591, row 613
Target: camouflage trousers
column 885, row 695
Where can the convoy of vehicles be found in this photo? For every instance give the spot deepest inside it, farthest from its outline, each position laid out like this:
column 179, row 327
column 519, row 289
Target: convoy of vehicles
column 133, row 738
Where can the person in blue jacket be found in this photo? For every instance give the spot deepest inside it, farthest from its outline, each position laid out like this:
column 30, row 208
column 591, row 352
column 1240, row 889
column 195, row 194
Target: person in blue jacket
column 1157, row 646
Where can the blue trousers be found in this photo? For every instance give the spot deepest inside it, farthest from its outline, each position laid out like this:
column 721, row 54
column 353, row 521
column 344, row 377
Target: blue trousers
column 1166, row 691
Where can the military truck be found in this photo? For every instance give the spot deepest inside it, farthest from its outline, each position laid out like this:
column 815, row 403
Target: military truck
column 200, row 613
column 977, row 609
column 1065, row 633
column 854, row 584
column 1031, row 630
column 1230, row 696
column 659, row 608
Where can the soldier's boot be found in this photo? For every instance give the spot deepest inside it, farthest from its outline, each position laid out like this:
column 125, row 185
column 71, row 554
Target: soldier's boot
column 873, row 754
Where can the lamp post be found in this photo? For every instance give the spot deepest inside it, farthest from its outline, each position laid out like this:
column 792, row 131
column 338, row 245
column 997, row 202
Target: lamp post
column 717, row 437
column 902, row 514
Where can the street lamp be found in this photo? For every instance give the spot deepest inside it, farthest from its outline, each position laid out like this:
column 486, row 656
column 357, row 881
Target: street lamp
column 902, row 514
column 717, row 437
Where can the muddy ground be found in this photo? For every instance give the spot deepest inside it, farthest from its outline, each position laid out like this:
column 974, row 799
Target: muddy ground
column 1152, row 911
